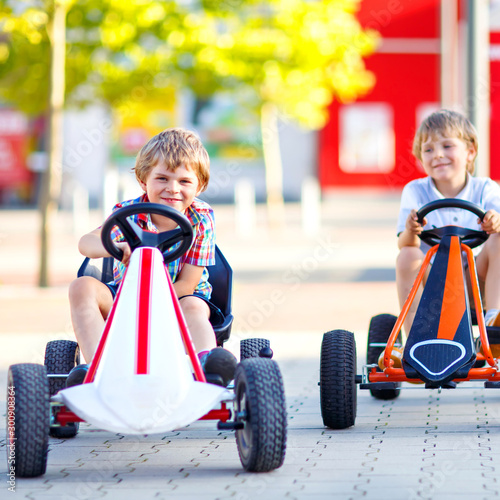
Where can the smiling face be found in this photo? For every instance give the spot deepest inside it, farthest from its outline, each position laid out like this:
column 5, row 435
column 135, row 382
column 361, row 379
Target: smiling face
column 445, row 159
column 173, row 188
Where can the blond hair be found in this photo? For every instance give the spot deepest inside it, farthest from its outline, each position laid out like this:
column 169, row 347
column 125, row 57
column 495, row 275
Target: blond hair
column 176, row 147
column 449, row 124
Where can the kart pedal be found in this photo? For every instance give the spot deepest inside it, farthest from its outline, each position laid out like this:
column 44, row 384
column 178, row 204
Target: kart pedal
column 219, row 366
column 77, row 375
column 214, row 378
column 379, row 385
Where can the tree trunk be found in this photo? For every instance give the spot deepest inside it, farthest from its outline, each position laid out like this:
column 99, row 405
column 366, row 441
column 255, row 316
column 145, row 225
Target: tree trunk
column 273, row 165
column 51, row 182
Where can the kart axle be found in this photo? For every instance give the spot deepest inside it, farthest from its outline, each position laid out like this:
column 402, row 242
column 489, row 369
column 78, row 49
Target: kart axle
column 65, row 416
column 223, row 414
column 230, row 426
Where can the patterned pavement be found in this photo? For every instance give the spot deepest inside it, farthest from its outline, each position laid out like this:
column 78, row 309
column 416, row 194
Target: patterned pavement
column 423, row 445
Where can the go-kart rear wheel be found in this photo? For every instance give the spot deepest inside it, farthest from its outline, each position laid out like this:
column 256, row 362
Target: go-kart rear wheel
column 27, row 419
column 61, row 356
column 378, row 333
column 338, row 397
column 260, row 406
column 250, row 348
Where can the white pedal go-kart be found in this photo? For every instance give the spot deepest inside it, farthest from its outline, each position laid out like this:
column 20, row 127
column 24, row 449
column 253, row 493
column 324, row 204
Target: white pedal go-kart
column 145, row 377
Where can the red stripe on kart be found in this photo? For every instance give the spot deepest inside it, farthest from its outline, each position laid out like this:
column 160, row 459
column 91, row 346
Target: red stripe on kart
column 453, row 307
column 143, row 326
column 186, row 336
column 104, row 337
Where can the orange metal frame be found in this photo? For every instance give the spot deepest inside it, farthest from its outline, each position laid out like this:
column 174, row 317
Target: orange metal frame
column 391, row 374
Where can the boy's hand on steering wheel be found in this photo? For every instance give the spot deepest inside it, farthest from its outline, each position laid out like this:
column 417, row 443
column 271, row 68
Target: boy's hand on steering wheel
column 412, row 224
column 491, row 222
column 125, row 248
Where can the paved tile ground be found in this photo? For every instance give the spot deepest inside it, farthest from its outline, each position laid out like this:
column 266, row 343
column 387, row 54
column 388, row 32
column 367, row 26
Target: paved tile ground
column 289, row 288
column 422, row 445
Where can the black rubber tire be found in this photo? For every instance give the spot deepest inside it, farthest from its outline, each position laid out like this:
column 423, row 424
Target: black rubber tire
column 379, row 332
column 261, row 406
column 28, row 408
column 250, row 348
column 61, row 356
column 338, row 390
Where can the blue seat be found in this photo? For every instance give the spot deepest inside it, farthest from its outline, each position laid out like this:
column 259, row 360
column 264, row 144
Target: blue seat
column 220, row 277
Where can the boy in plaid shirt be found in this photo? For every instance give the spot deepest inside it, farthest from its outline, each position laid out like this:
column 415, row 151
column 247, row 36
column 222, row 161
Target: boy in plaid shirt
column 172, row 169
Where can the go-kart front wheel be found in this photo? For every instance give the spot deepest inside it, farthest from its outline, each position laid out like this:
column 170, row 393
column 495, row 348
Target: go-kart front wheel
column 338, row 397
column 27, row 419
column 378, row 334
column 260, row 406
column 61, row 356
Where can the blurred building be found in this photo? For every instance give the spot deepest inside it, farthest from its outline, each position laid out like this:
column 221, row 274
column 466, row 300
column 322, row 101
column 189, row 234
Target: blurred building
column 15, row 176
column 423, row 63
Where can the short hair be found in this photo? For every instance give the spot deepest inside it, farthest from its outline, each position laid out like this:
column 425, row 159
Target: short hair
column 446, row 123
column 176, row 147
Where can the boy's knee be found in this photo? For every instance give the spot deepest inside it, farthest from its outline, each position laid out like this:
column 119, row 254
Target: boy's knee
column 81, row 287
column 494, row 242
column 194, row 306
column 408, row 257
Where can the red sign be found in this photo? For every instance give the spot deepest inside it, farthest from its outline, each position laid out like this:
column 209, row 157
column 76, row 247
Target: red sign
column 13, row 148
column 368, row 143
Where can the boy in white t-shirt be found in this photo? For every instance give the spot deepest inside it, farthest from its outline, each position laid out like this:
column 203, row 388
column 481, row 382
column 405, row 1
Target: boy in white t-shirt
column 446, row 146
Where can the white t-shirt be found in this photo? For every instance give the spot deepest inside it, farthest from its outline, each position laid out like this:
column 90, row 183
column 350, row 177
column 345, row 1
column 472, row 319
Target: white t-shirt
column 481, row 191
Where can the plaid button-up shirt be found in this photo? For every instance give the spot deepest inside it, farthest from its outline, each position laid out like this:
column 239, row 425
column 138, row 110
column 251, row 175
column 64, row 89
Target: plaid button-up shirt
column 201, row 252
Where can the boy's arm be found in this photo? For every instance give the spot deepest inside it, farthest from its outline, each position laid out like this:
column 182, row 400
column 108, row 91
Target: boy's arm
column 188, row 279
column 409, row 237
column 90, row 245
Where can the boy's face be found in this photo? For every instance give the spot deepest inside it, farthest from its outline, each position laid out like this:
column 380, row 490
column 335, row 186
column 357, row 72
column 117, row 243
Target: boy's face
column 445, row 158
column 176, row 189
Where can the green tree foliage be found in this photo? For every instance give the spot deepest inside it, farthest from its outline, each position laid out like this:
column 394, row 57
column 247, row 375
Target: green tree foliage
column 113, row 49
column 296, row 54
column 24, row 58
column 293, row 56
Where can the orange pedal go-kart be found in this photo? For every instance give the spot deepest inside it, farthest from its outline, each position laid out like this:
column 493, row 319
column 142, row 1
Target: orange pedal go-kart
column 440, row 350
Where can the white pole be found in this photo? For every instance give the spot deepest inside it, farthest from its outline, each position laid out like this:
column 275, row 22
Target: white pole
column 273, row 165
column 110, row 195
column 245, row 209
column 449, row 54
column 311, row 206
column 478, row 100
column 81, row 217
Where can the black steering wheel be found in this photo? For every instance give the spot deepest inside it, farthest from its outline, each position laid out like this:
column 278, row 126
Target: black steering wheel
column 470, row 237
column 137, row 237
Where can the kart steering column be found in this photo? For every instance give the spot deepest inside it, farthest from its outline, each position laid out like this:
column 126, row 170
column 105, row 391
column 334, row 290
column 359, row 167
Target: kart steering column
column 388, row 362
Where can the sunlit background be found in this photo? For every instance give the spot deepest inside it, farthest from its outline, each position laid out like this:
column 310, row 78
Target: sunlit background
column 284, row 94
